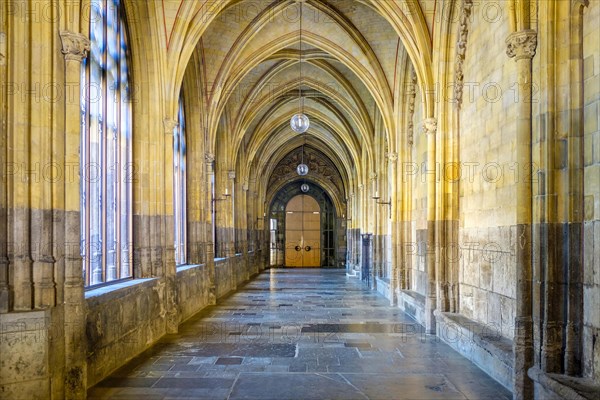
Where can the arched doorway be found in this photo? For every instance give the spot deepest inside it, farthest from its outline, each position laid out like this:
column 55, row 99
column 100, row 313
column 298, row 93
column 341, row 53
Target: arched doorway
column 303, row 233
column 325, row 230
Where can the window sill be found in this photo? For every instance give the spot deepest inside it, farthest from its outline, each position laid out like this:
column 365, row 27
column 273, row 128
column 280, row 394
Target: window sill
column 187, row 267
column 220, row 260
column 116, row 290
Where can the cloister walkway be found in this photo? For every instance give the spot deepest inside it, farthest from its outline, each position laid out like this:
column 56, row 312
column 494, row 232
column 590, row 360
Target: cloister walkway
column 300, row 334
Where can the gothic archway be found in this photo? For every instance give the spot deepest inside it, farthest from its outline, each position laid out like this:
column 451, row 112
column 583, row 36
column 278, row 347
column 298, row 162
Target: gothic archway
column 332, row 226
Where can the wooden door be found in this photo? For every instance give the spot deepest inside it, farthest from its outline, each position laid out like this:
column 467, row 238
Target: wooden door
column 303, row 233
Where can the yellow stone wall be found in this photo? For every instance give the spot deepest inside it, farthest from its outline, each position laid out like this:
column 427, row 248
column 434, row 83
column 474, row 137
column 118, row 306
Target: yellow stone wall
column 591, row 240
column 488, row 180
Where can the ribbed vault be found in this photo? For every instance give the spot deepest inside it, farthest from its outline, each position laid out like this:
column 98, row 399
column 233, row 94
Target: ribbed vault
column 250, row 67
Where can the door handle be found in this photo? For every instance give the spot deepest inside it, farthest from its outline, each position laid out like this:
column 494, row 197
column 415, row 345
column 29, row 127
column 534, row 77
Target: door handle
column 298, row 248
column 307, row 248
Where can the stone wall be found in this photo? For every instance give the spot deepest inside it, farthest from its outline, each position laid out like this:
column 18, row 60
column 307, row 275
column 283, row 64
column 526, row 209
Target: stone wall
column 415, row 173
column 25, row 359
column 122, row 321
column 488, row 179
column 591, row 242
column 193, row 289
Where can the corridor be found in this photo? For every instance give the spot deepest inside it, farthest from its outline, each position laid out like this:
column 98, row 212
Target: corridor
column 300, row 334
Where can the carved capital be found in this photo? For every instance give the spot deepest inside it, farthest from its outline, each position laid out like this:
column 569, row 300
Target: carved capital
column 75, row 46
column 231, row 174
column 392, row 157
column 373, row 176
column 361, row 187
column 245, row 187
column 170, row 125
column 521, row 44
column 430, row 126
column 209, row 158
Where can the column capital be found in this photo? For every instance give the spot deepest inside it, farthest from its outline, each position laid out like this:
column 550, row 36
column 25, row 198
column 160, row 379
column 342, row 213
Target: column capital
column 373, row 176
column 522, row 44
column 361, row 187
column 170, row 125
column 430, row 126
column 392, row 157
column 75, row 46
column 209, row 158
column 231, row 174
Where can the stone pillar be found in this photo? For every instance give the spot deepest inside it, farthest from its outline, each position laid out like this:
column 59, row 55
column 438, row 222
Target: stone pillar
column 393, row 198
column 229, row 209
column 375, row 257
column 521, row 46
column 209, row 161
column 430, row 129
column 74, row 48
column 173, row 318
column 349, row 235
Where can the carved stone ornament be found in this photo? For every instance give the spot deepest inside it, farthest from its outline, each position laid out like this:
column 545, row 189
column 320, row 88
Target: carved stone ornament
column 461, row 50
column 209, row 158
column 430, row 126
column 318, row 163
column 412, row 95
column 170, row 125
column 521, row 44
column 392, row 157
column 75, row 46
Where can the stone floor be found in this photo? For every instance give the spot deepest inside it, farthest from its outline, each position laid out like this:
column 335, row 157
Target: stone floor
column 300, row 334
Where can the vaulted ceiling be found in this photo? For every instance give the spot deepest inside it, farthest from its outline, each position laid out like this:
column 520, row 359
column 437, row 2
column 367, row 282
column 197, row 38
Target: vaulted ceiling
column 246, row 53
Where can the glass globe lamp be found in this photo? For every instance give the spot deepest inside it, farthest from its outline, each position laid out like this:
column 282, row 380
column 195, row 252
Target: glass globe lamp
column 302, row 169
column 300, row 123
column 305, row 188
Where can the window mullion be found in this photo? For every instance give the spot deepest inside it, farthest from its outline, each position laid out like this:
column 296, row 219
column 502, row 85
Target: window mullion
column 118, row 183
column 104, row 142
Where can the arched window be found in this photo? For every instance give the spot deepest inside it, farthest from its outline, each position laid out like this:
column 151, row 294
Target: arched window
column 106, row 159
column 179, row 187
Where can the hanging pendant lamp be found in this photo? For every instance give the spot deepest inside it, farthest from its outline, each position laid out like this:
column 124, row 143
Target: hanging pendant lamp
column 302, row 168
column 305, row 188
column 300, row 122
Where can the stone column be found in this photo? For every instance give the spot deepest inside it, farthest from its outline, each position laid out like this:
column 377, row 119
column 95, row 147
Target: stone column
column 521, row 46
column 173, row 317
column 349, row 235
column 74, row 48
column 209, row 161
column 229, row 208
column 375, row 255
column 393, row 199
column 430, row 129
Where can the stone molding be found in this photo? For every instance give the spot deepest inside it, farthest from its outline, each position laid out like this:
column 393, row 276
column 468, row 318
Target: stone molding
column 461, row 50
column 412, row 96
column 521, row 45
column 75, row 46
